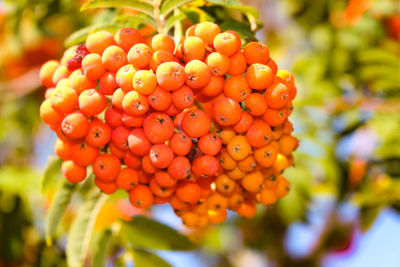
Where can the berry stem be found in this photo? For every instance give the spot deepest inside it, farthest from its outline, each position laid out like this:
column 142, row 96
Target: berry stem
column 157, row 15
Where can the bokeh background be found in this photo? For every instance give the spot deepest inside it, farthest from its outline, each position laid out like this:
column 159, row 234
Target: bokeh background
column 343, row 209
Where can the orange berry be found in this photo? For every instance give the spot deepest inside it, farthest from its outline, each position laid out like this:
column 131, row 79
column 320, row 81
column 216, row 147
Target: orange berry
column 144, row 82
column 60, row 73
column 190, row 219
column 158, row 127
column 62, row 149
column 238, row 148
column 205, row 166
column 179, row 168
column 147, row 166
column 193, row 48
column 226, row 111
column 256, row 104
column 259, row 134
column 246, row 209
column 75, row 125
column 80, row 82
column 237, row 64
column 159, row 57
column 163, row 42
column 106, row 188
column 256, row 52
column 196, row 123
column 216, row 202
column 237, row 173
column 73, row 172
column 170, row 76
column 113, row 117
column 218, row 63
column 127, row 179
column 253, row 181
column 188, row 192
column 227, row 43
column 64, row 99
column 247, row 164
column 277, row 95
column 282, row 187
column 244, row 124
column 138, row 143
column 217, row 217
column 159, row 100
column 163, row 179
column 92, row 102
column 214, row 87
column 141, row 197
column 135, row 104
column 207, row 31
column 161, row 156
column 46, row 72
column 97, row 42
column 226, row 161
column 265, row 156
column 287, row 144
column 226, row 135
column 181, row 144
column 83, row 154
column 275, row 117
column 124, row 77
column 224, row 184
column 139, row 55
column 127, row 37
column 131, row 160
column 234, row 200
column 119, row 137
column 198, row 74
column 108, row 83
column 106, row 167
column 210, row 144
column 259, row 76
column 182, row 98
column 132, row 121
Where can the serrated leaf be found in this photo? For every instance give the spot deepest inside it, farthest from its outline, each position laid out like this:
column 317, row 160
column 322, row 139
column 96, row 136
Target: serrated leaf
column 57, row 208
column 145, row 258
column 53, row 167
column 135, row 21
column 367, row 216
column 100, row 250
column 80, row 35
column 169, row 5
column 82, row 228
column 142, row 232
column 174, row 19
column 138, row 5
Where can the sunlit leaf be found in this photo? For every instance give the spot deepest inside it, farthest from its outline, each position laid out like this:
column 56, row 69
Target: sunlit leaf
column 135, row 21
column 174, row 19
column 48, row 180
column 145, row 258
column 138, row 5
column 169, row 5
column 146, row 233
column 58, row 206
column 82, row 228
column 101, row 247
column 81, row 35
column 225, row 2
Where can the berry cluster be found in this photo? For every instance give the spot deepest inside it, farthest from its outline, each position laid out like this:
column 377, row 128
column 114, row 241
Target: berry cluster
column 202, row 125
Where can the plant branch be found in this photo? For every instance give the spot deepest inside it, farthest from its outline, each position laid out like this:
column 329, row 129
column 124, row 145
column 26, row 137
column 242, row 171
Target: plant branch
column 157, row 15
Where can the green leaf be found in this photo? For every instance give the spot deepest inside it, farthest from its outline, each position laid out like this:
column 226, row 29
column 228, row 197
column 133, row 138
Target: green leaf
column 146, row 233
column 174, row 19
column 145, row 258
column 82, row 228
column 225, row 2
column 53, row 167
column 80, row 35
column 135, row 21
column 100, row 251
column 368, row 214
column 134, row 4
column 169, row 5
column 57, row 208
column 242, row 29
